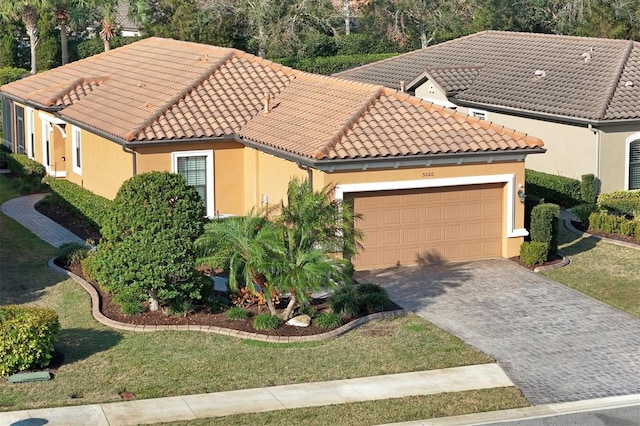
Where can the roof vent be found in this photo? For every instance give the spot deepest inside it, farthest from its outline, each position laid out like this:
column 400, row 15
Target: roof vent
column 540, row 73
column 587, row 56
column 267, row 101
column 629, row 84
column 402, row 85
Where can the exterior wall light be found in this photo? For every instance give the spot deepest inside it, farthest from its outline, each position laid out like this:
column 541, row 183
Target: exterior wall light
column 521, row 195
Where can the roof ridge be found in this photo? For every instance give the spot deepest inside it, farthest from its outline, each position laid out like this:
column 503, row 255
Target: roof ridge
column 65, row 90
column 602, row 111
column 331, row 143
column 131, row 135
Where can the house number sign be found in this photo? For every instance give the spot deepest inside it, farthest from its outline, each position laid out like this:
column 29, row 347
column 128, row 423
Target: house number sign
column 428, row 174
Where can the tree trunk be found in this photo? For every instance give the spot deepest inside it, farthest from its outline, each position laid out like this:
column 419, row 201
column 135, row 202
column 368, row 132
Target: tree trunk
column 286, row 315
column 64, row 43
column 154, row 303
column 107, row 46
column 347, row 17
column 270, row 305
column 33, row 43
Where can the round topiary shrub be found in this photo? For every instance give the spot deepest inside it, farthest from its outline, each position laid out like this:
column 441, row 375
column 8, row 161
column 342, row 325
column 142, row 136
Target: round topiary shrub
column 328, row 320
column 375, row 302
column 236, row 313
column 147, row 245
column 266, row 322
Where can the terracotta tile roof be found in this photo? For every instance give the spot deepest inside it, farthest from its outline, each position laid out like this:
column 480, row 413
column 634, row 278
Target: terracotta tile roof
column 158, row 89
column 585, row 78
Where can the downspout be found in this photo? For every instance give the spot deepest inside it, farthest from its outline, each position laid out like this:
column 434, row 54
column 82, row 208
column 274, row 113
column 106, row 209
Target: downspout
column 596, row 132
column 134, row 165
column 309, row 171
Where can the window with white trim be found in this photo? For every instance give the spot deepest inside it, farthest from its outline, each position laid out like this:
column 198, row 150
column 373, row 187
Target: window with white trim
column 31, row 133
column 197, row 169
column 46, row 142
column 477, row 113
column 76, row 146
column 20, row 129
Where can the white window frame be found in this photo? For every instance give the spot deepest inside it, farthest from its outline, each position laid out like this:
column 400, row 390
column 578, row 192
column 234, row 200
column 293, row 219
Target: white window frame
column 208, row 153
column 627, row 158
column 48, row 122
column 31, row 126
column 478, row 113
column 508, row 179
column 76, row 149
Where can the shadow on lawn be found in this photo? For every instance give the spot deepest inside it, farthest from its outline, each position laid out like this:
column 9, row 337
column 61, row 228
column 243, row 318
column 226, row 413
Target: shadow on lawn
column 79, row 343
column 579, row 245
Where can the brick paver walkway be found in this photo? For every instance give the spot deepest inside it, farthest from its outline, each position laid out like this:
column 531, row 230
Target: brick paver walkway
column 555, row 343
column 22, row 210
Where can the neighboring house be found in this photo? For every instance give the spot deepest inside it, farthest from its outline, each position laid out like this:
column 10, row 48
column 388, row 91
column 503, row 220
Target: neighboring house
column 127, row 26
column 431, row 183
column 580, row 95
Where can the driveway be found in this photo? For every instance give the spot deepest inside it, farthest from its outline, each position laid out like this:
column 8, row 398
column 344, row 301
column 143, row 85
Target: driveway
column 555, row 343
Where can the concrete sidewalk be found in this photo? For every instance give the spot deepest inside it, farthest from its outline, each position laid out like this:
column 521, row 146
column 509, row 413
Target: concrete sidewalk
column 272, row 398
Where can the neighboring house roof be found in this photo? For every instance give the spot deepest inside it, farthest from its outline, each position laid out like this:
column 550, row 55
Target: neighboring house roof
column 574, row 77
column 160, row 90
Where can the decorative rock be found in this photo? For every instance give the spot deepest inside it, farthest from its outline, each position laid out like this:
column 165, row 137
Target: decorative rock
column 300, row 321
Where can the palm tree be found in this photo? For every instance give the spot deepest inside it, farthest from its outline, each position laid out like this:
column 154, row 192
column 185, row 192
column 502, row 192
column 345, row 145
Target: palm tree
column 27, row 10
column 64, row 11
column 108, row 28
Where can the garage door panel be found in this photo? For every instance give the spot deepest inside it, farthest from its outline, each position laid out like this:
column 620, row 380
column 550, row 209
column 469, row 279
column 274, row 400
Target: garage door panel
column 411, row 226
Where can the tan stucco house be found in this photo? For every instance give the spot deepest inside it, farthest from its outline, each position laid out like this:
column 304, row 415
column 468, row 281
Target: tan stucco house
column 580, row 95
column 430, row 182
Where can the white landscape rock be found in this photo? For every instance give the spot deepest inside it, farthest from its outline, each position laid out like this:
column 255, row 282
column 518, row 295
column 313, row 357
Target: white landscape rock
column 300, row 321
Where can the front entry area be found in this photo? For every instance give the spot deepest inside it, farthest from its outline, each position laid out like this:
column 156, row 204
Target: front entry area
column 414, row 226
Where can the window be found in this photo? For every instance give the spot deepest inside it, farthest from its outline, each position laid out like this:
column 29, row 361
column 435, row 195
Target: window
column 482, row 115
column 76, row 146
column 7, row 123
column 46, row 141
column 633, row 163
column 197, row 169
column 19, row 129
column 31, row 136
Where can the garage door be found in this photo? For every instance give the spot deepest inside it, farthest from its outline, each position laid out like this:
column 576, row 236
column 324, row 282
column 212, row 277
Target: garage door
column 408, row 227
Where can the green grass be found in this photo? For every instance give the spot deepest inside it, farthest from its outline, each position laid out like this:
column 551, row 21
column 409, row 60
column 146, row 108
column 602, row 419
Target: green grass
column 376, row 412
column 602, row 270
column 99, row 363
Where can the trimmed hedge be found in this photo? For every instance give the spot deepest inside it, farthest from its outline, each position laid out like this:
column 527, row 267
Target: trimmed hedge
column 8, row 74
column 332, row 64
column 554, row 189
column 621, row 202
column 27, row 335
column 613, row 224
column 544, row 225
column 583, row 211
column 589, row 189
column 534, row 252
column 529, row 203
column 29, row 172
column 92, row 207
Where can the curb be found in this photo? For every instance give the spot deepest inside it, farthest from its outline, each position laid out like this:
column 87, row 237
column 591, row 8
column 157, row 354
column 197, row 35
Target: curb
column 95, row 311
column 564, row 262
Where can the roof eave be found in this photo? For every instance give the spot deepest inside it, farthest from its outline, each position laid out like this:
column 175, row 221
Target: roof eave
column 540, row 115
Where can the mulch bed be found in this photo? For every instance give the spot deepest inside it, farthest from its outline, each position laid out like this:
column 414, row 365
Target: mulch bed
column 553, row 260
column 203, row 316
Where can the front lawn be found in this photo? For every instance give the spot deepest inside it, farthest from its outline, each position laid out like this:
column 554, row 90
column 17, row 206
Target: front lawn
column 604, row 271
column 99, row 363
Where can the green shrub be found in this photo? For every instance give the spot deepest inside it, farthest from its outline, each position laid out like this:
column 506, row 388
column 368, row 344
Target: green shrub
column 529, row 203
column 588, row 189
column 70, row 253
column 92, row 207
column 236, row 313
column 344, row 301
column 534, row 252
column 266, row 322
column 583, row 211
column 636, row 232
column 621, row 202
column 29, row 172
column 544, row 225
column 553, row 188
column 328, row 320
column 308, row 310
column 147, row 248
column 373, row 297
column 27, row 335
column 627, row 228
column 331, row 64
column 218, row 303
column 613, row 224
column 8, row 74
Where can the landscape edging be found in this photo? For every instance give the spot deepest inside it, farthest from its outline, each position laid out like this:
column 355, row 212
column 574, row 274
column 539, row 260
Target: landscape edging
column 95, row 311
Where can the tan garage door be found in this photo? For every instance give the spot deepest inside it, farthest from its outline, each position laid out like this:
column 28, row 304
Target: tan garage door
column 408, row 227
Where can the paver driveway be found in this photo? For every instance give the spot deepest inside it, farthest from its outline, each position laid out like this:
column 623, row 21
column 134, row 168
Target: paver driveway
column 555, row 343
